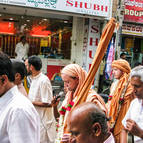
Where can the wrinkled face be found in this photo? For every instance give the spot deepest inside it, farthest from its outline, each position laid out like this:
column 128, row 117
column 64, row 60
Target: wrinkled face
column 117, row 73
column 137, row 86
column 70, row 83
column 80, row 133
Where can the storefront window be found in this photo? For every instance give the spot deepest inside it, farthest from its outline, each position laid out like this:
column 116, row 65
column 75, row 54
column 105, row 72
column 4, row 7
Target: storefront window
column 47, row 37
column 133, row 47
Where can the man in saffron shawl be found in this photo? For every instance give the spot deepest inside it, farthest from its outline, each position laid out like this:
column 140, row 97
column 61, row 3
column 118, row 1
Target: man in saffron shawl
column 121, row 95
column 73, row 76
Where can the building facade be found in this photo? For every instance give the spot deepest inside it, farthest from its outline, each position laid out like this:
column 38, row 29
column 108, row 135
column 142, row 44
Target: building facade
column 132, row 31
column 59, row 31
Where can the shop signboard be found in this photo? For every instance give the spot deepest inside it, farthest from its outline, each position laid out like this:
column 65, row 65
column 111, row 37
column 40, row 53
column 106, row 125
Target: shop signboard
column 91, row 40
column 133, row 11
column 131, row 29
column 85, row 7
column 53, row 66
column 53, row 71
column 85, row 46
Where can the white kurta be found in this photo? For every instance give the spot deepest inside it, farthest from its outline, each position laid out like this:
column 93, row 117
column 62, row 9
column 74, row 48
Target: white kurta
column 19, row 121
column 110, row 139
column 41, row 90
column 135, row 112
column 22, row 50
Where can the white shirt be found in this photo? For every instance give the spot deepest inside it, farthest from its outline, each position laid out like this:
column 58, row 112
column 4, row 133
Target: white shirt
column 19, row 121
column 41, row 90
column 22, row 89
column 135, row 112
column 22, row 50
column 110, row 139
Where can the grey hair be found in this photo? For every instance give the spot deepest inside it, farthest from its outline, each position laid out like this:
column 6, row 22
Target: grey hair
column 137, row 72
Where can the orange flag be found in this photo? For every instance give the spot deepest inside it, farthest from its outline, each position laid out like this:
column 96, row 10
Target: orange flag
column 101, row 49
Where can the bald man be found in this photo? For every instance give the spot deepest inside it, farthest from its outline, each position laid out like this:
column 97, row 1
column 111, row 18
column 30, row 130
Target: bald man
column 88, row 124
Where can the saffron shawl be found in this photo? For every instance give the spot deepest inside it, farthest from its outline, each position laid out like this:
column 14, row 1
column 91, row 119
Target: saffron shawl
column 118, row 109
column 83, row 91
column 74, row 70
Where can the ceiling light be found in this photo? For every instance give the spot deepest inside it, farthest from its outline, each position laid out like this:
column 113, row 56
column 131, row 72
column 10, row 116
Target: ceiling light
column 45, row 19
column 28, row 20
column 65, row 21
column 11, row 19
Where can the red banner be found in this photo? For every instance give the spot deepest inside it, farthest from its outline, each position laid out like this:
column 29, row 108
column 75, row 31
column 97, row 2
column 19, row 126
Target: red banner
column 133, row 11
column 53, row 71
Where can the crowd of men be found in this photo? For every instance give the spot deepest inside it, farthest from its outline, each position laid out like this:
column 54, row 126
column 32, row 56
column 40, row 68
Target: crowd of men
column 31, row 116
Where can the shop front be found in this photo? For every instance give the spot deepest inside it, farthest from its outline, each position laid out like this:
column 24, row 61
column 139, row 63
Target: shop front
column 132, row 42
column 132, row 31
column 54, row 29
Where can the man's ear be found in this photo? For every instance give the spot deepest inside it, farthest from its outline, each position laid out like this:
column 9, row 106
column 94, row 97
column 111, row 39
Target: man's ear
column 96, row 129
column 4, row 79
column 17, row 76
column 31, row 67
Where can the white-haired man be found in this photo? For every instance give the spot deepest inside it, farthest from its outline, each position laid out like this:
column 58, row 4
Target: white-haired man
column 133, row 121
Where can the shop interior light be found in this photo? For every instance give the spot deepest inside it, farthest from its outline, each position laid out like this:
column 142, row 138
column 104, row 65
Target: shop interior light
column 7, row 27
column 45, row 19
column 11, row 18
column 39, row 31
column 65, row 21
column 31, row 25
